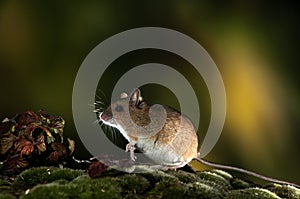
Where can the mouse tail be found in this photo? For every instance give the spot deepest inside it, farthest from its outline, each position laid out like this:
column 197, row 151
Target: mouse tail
column 251, row 173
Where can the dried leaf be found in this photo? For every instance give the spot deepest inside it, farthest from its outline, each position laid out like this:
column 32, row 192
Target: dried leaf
column 55, row 156
column 6, row 143
column 56, row 146
column 28, row 133
column 26, row 118
column 40, row 143
column 50, row 138
column 27, row 149
column 19, row 144
column 17, row 163
column 96, row 169
column 44, row 114
column 57, row 125
column 30, row 128
column 5, row 127
column 5, row 120
column 71, row 146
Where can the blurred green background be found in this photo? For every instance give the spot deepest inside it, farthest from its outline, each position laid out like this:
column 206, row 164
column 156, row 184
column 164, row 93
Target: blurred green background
column 254, row 44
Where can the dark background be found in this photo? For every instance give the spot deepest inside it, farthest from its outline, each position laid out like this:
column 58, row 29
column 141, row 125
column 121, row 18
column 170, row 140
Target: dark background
column 255, row 46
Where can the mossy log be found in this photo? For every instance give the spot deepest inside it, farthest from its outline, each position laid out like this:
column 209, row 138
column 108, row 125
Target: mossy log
column 52, row 182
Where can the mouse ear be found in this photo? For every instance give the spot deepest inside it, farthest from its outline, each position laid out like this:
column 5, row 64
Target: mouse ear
column 123, row 95
column 135, row 97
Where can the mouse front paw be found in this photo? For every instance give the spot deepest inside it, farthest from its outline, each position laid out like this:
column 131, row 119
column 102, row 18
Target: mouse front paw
column 130, row 147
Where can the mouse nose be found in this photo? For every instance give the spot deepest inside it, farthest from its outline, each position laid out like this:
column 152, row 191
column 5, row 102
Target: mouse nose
column 105, row 116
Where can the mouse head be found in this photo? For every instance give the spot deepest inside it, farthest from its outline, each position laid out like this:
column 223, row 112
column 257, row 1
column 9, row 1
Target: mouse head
column 127, row 112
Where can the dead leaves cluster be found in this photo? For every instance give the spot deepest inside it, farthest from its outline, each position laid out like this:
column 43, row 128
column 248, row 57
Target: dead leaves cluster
column 33, row 139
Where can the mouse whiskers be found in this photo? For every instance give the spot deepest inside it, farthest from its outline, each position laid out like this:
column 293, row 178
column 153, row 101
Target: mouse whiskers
column 99, row 106
column 101, row 97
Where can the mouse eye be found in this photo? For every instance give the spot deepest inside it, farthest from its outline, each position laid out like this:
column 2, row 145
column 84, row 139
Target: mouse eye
column 119, row 108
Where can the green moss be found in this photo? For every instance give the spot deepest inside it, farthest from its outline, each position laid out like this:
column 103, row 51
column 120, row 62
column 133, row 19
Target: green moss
column 215, row 180
column 173, row 189
column 49, row 182
column 179, row 184
column 7, row 196
column 162, row 189
column 200, row 190
column 97, row 188
column 133, row 184
column 284, row 191
column 251, row 193
column 105, row 185
column 239, row 184
column 159, row 176
column 4, row 183
column 5, row 189
column 50, row 190
column 41, row 175
column 82, row 187
column 222, row 173
column 185, row 177
column 161, row 183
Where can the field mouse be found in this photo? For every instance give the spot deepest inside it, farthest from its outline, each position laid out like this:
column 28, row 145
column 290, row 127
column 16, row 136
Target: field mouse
column 160, row 132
